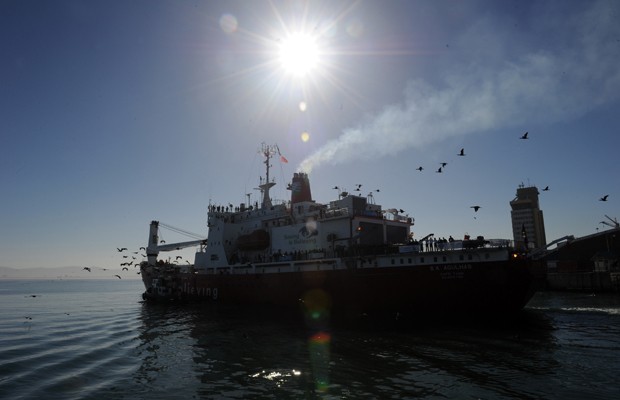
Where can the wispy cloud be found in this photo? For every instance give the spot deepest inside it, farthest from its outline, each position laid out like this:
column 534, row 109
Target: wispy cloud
column 540, row 85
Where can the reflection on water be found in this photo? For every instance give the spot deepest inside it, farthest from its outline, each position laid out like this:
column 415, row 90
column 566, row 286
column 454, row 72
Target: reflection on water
column 81, row 340
column 259, row 354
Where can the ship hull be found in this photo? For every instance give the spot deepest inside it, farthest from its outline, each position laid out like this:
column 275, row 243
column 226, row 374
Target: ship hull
column 484, row 287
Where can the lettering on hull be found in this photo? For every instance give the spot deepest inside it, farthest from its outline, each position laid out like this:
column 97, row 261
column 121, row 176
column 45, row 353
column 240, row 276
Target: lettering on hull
column 451, row 271
column 200, row 292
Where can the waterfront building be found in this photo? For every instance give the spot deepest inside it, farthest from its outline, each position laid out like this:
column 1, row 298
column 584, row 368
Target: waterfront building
column 528, row 226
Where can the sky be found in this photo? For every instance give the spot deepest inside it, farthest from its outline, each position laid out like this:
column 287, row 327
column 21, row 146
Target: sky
column 116, row 113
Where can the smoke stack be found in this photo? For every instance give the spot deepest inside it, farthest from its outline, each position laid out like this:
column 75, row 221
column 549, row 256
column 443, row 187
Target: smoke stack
column 300, row 188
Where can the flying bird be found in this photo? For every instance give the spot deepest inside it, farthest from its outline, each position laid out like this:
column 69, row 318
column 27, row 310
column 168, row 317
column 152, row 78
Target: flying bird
column 443, row 164
column 546, row 188
column 121, row 249
column 438, row 170
column 125, row 269
column 86, row 268
column 462, row 153
column 476, row 208
column 118, row 276
column 420, row 169
column 524, row 135
column 604, row 198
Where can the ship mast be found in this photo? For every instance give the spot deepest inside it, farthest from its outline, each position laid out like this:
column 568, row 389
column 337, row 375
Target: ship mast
column 267, row 151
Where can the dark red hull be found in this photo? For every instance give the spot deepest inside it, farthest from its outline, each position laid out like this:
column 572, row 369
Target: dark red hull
column 500, row 287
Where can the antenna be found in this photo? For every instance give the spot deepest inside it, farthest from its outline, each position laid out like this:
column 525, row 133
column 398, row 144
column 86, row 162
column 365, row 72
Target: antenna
column 613, row 224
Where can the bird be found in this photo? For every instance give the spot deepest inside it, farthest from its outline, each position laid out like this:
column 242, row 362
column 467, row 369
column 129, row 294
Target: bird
column 125, row 269
column 179, row 257
column 121, row 249
column 524, row 135
column 604, row 198
column 86, row 268
column 546, row 188
column 462, row 153
column 443, row 164
column 162, row 241
column 118, row 276
column 438, row 170
column 420, row 169
column 476, row 208
column 143, row 248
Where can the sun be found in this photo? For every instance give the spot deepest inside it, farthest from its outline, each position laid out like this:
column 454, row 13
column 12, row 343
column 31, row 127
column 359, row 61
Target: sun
column 299, row 54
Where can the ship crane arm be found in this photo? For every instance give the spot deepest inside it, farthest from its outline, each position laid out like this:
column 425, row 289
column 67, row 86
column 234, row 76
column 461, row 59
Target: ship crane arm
column 153, row 248
column 181, row 245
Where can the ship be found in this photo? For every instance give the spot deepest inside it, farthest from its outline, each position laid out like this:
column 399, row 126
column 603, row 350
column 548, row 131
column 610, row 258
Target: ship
column 346, row 257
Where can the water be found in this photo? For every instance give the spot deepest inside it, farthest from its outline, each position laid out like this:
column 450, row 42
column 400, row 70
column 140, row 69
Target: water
column 97, row 340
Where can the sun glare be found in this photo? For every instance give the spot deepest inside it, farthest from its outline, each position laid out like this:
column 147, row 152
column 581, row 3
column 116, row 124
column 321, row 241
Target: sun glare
column 299, row 54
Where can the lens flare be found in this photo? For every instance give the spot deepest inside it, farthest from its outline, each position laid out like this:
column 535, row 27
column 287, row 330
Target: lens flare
column 228, row 23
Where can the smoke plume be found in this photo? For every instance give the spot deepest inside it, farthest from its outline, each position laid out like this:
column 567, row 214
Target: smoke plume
column 490, row 92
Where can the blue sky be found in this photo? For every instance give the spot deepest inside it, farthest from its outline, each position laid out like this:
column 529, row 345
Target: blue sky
column 115, row 113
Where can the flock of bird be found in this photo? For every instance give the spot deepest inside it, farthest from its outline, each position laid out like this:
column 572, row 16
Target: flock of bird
column 125, row 264
column 461, row 153
column 133, row 262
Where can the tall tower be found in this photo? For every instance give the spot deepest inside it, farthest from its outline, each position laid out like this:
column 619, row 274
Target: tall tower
column 528, row 226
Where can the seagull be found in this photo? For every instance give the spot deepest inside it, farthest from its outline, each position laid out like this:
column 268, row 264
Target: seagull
column 462, row 153
column 443, row 164
column 420, row 169
column 143, row 248
column 86, row 268
column 125, row 269
column 121, row 249
column 546, row 188
column 604, row 198
column 476, row 208
column 439, row 170
column 162, row 241
column 118, row 276
column 178, row 257
column 524, row 135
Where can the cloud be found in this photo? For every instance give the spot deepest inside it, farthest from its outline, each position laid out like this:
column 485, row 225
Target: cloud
column 544, row 85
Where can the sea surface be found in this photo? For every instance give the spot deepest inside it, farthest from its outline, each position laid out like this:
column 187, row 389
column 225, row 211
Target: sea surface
column 69, row 339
